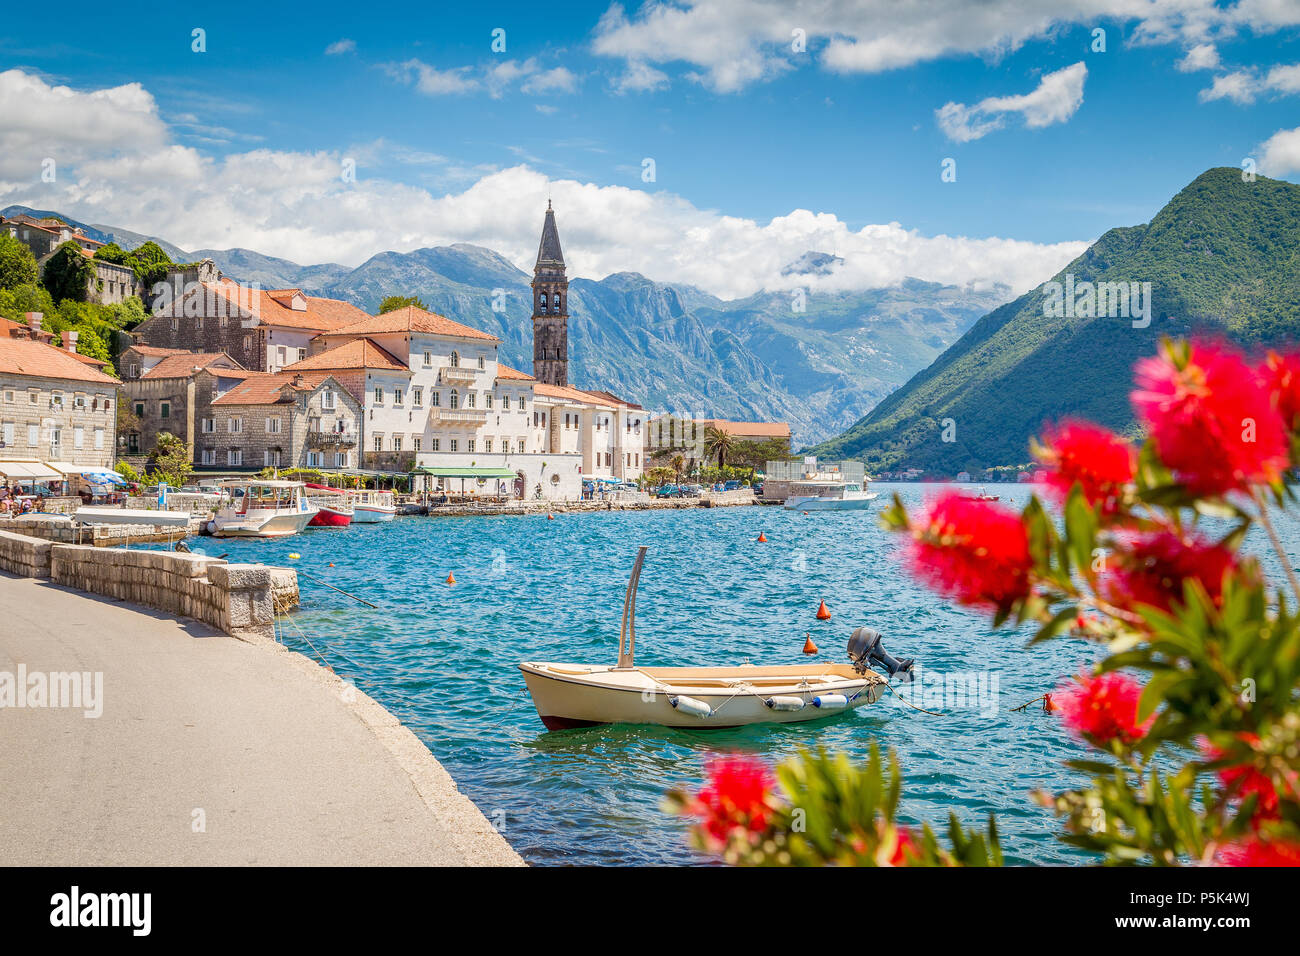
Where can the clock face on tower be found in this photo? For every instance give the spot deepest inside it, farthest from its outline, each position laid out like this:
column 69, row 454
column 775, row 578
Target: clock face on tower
column 550, row 308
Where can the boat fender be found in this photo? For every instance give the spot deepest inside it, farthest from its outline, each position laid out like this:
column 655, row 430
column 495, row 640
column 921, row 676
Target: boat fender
column 785, row 703
column 831, row 701
column 690, row 705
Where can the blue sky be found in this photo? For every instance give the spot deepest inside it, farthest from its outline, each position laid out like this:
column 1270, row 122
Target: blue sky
column 848, row 129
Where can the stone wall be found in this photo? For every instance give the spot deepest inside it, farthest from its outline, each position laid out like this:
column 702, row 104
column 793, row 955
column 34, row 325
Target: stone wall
column 239, row 599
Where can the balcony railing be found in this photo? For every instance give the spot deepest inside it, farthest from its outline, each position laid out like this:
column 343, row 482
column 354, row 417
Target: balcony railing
column 456, row 376
column 331, row 439
column 475, row 416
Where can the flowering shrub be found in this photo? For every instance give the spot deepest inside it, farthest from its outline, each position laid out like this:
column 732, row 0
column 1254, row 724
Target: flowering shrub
column 1192, row 711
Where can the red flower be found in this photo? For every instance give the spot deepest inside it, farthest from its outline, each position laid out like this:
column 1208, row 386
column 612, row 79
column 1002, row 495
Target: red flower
column 1257, row 852
column 1098, row 460
column 904, row 846
column 1212, row 418
column 1244, row 780
column 1282, row 372
column 976, row 552
column 1104, row 708
column 736, row 797
column 1152, row 568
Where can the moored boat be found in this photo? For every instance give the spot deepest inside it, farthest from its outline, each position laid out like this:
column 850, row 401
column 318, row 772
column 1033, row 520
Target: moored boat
column 257, row 508
column 823, row 494
column 369, row 506
column 335, row 510
column 580, row 695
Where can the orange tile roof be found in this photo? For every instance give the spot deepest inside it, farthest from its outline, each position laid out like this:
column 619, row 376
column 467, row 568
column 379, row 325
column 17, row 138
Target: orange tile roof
column 569, row 394
column 322, row 315
column 265, row 388
column 610, row 396
column 27, row 357
column 88, row 359
column 153, row 350
column 183, row 365
column 513, row 374
column 749, row 429
column 413, row 319
column 358, row 353
column 9, row 327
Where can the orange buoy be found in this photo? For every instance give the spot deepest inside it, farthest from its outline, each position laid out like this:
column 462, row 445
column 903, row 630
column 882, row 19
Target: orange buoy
column 805, row 514
column 762, row 538
column 549, row 516
column 1050, row 705
column 331, row 564
column 808, row 646
column 451, row 578
column 823, row 612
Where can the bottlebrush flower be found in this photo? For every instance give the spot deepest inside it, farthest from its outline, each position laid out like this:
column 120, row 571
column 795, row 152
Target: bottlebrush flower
column 736, row 797
column 1212, row 419
column 1103, row 708
column 1097, row 459
column 1257, row 852
column 1246, row 779
column 1282, row 372
column 1151, row 569
column 904, row 846
column 975, row 552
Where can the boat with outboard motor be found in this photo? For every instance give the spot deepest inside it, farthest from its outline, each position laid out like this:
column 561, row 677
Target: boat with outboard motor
column 581, row 695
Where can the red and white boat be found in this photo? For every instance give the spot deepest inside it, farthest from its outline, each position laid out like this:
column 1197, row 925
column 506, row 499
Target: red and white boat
column 370, row 507
column 335, row 507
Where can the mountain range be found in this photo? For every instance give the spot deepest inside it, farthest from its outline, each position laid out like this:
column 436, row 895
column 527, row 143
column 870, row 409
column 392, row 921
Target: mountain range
column 667, row 346
column 1222, row 259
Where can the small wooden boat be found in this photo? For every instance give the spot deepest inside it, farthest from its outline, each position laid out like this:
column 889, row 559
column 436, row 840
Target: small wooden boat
column 982, row 495
column 581, row 695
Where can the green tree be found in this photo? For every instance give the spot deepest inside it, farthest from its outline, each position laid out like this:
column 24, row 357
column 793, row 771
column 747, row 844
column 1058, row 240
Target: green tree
column 25, row 298
column 68, row 273
column 170, row 460
column 718, row 442
column 17, row 264
column 392, row 303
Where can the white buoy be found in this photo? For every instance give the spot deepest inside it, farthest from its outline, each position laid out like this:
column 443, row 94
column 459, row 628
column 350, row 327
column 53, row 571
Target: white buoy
column 690, row 705
column 784, row 702
column 831, row 702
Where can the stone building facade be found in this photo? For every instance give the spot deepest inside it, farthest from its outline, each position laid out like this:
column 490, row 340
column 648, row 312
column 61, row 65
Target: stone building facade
column 282, row 420
column 54, row 407
column 264, row 331
column 174, row 394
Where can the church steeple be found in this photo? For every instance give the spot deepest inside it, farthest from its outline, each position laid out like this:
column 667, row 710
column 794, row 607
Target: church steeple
column 550, row 307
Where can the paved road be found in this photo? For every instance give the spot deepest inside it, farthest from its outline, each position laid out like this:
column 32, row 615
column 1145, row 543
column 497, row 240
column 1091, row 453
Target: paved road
column 209, row 751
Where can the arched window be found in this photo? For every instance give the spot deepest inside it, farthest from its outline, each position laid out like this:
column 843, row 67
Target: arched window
column 455, row 360
column 558, row 302
column 543, row 300
column 455, row 396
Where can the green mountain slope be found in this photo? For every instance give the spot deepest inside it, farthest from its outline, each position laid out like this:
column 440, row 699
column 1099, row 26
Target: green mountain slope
column 1223, row 257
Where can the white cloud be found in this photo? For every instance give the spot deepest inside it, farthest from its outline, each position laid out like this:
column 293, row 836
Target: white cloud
column 429, row 80
column 1203, row 56
column 296, row 205
column 341, row 46
column 640, row 77
column 1057, row 97
column 1284, row 79
column 558, row 80
column 730, row 44
column 1279, row 155
column 1240, row 87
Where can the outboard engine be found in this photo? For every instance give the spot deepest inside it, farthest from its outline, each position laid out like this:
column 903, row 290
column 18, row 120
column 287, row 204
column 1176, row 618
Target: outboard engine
column 865, row 649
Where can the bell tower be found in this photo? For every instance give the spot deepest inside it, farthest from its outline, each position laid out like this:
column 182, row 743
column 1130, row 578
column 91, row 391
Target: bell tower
column 550, row 308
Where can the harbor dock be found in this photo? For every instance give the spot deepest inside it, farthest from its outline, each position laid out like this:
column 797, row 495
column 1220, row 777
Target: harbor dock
column 209, row 750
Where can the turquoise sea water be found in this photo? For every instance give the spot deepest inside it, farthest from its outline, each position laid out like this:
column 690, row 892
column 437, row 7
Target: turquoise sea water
column 443, row 660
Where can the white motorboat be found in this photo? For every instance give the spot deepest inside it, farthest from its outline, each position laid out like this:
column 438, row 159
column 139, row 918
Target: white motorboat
column 582, row 695
column 824, row 494
column 369, row 506
column 257, row 508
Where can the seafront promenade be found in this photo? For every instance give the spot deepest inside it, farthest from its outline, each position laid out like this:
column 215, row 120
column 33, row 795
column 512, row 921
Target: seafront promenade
column 209, row 750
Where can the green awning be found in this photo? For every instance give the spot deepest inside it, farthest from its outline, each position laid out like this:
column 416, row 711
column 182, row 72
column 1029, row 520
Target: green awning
column 440, row 471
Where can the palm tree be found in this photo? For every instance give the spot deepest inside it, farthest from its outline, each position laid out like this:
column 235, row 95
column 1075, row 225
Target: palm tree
column 720, row 443
column 678, row 464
